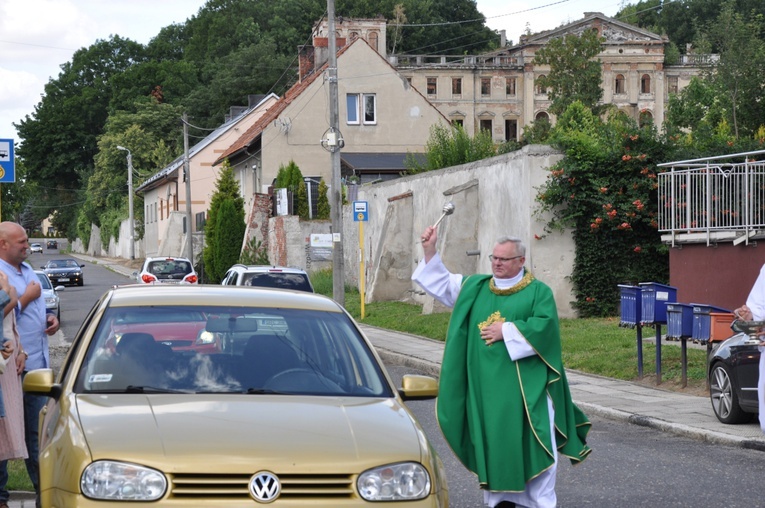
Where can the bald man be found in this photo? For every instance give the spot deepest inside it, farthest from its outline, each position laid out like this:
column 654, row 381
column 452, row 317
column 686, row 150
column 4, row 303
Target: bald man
column 34, row 325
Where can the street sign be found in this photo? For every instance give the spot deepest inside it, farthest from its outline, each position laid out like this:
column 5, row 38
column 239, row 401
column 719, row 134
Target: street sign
column 7, row 162
column 360, row 212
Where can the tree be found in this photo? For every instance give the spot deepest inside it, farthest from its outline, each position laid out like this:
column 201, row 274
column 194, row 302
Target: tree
column 451, row 146
column 220, row 248
column 741, row 67
column 322, row 207
column 605, row 190
column 575, row 74
column 59, row 141
column 229, row 233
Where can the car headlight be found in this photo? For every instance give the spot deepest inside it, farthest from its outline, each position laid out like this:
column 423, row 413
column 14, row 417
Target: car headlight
column 407, row 481
column 110, row 480
column 51, row 301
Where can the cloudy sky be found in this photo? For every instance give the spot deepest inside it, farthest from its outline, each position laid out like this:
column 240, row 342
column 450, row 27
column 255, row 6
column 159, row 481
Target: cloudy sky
column 37, row 36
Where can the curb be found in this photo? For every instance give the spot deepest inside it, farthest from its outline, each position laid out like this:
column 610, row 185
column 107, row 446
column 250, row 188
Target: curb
column 608, row 413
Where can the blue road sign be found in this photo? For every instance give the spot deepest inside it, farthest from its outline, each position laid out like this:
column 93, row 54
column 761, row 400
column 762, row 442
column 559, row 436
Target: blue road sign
column 7, row 162
column 360, row 211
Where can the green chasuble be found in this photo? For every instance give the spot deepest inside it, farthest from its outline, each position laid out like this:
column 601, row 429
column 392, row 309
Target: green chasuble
column 492, row 410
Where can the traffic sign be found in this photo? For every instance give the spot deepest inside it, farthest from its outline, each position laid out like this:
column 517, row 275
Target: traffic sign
column 7, row 159
column 360, row 211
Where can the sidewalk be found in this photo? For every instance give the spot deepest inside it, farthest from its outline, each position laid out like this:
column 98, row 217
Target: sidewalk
column 685, row 415
column 682, row 414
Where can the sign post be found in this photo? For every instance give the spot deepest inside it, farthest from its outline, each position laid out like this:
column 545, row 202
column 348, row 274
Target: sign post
column 361, row 215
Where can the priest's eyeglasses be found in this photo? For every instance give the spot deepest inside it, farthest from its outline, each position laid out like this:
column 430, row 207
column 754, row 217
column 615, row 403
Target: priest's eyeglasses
column 498, row 259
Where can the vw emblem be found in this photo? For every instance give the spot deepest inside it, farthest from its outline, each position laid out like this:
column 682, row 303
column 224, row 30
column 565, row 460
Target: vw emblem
column 265, row 487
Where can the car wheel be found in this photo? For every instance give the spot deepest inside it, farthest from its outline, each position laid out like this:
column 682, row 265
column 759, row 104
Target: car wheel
column 722, row 393
column 58, row 315
column 80, row 282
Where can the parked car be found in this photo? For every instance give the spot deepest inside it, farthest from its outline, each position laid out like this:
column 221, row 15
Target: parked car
column 50, row 293
column 733, row 373
column 35, row 247
column 304, row 416
column 166, row 270
column 52, row 244
column 64, row 271
column 266, row 276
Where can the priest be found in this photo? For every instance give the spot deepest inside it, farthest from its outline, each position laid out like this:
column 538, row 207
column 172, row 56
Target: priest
column 504, row 404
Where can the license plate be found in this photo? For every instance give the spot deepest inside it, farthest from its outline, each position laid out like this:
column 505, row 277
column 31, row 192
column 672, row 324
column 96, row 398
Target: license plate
column 64, row 279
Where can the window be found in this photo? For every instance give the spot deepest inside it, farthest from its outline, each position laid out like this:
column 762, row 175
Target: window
column 645, row 83
column 432, row 87
column 619, row 84
column 352, row 105
column 458, row 121
column 511, row 130
column 370, row 109
column 486, row 126
column 672, row 84
column 456, row 86
column 540, row 89
column 373, row 40
column 542, row 116
column 645, row 118
column 510, row 87
column 354, row 102
column 485, row 87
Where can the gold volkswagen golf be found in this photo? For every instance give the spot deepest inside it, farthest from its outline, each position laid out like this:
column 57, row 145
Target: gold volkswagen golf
column 283, row 402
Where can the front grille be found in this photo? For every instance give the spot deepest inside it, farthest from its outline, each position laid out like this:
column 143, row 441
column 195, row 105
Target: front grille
column 294, row 486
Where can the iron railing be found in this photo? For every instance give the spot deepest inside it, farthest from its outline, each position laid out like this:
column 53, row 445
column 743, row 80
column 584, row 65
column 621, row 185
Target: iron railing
column 713, row 195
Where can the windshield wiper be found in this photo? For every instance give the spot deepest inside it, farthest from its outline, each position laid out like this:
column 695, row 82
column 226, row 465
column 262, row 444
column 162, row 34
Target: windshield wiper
column 268, row 391
column 151, row 389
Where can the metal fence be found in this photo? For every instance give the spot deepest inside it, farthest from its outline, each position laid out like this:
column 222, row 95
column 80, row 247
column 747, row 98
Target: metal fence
column 706, row 195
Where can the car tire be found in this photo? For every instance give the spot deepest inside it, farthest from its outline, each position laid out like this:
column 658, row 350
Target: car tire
column 724, row 396
column 80, row 282
column 58, row 315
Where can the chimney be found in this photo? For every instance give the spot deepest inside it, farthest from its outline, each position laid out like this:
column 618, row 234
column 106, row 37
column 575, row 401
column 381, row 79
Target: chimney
column 305, row 61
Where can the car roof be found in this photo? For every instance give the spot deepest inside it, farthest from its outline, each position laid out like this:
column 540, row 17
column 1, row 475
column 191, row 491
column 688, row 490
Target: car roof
column 214, row 295
column 267, row 268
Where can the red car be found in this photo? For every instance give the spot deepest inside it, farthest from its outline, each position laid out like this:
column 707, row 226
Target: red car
column 181, row 329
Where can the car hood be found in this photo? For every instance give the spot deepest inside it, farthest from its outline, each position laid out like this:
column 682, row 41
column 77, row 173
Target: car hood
column 244, row 432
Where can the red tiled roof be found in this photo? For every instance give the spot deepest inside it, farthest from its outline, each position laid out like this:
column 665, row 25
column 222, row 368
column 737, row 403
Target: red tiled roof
column 273, row 113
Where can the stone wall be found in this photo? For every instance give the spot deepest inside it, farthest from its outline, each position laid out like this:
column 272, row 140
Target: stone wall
column 493, row 197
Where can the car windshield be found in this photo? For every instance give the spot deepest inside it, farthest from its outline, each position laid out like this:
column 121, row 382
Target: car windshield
column 236, row 350
column 44, row 281
column 277, row 280
column 63, row 263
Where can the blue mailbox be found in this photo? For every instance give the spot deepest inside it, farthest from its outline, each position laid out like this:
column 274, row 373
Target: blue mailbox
column 702, row 321
column 679, row 320
column 655, row 297
column 631, row 306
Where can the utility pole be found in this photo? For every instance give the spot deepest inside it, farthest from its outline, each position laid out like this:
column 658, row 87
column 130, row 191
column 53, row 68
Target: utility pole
column 130, row 200
column 336, row 193
column 187, row 178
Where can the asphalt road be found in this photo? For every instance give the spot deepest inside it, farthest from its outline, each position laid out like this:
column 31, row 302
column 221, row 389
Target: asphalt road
column 630, row 465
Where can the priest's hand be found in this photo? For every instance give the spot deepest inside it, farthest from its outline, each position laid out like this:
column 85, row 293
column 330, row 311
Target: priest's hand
column 492, row 333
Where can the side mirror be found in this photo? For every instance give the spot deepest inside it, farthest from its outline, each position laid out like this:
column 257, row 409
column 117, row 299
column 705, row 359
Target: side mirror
column 59, row 288
column 416, row 387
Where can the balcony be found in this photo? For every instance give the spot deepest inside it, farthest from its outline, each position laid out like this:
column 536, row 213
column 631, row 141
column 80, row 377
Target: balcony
column 713, row 200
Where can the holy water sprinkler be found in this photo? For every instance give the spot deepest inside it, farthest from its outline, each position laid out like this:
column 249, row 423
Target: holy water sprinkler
column 448, row 210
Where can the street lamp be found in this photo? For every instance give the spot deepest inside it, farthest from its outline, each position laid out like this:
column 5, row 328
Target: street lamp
column 130, row 200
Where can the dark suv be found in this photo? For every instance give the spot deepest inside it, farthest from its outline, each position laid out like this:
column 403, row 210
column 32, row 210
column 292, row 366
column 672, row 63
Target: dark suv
column 279, row 277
